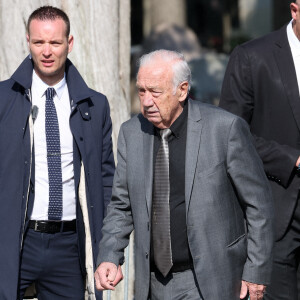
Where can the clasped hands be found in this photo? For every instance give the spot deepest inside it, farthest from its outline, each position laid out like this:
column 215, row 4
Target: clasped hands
column 107, row 276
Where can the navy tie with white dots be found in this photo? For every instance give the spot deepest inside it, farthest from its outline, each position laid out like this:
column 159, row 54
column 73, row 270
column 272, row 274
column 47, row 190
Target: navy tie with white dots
column 53, row 158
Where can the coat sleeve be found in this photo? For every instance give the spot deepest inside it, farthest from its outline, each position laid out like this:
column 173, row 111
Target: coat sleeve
column 108, row 165
column 254, row 193
column 118, row 223
column 238, row 97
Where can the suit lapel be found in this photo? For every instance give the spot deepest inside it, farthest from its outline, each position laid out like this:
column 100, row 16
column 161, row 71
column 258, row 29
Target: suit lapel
column 285, row 63
column 148, row 140
column 194, row 129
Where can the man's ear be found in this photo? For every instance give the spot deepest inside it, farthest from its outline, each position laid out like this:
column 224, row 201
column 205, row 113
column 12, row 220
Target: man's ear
column 70, row 43
column 183, row 90
column 27, row 38
column 294, row 10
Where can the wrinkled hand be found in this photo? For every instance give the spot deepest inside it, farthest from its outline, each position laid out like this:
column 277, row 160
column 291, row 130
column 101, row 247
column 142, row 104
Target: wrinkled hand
column 256, row 291
column 107, row 276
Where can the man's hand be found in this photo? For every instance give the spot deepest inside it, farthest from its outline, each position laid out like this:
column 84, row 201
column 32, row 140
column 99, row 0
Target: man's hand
column 256, row 291
column 107, row 276
column 298, row 161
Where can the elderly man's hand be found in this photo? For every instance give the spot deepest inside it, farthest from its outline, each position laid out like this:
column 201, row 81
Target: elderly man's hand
column 107, row 276
column 256, row 291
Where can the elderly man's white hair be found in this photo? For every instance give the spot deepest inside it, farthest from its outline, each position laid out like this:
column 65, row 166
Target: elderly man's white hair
column 181, row 70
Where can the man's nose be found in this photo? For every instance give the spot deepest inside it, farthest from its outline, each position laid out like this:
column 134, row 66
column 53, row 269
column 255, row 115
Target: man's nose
column 47, row 50
column 147, row 99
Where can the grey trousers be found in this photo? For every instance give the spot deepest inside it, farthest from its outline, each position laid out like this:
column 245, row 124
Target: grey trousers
column 176, row 286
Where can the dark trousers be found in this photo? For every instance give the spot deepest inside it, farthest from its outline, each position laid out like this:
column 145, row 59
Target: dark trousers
column 52, row 262
column 285, row 264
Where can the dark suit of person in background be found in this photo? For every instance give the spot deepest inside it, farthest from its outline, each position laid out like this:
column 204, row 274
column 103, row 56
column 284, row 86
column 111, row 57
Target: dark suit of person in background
column 216, row 182
column 65, row 160
column 261, row 85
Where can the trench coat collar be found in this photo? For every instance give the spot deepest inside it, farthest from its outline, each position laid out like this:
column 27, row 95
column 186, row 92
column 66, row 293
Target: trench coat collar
column 78, row 89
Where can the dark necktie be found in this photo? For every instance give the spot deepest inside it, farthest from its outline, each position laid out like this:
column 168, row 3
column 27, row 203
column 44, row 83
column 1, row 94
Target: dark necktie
column 53, row 158
column 161, row 235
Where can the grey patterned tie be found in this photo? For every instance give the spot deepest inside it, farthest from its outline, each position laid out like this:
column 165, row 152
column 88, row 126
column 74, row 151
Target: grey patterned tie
column 53, row 158
column 161, row 235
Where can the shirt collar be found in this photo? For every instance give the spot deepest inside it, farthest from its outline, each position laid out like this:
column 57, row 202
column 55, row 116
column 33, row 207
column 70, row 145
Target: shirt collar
column 41, row 86
column 178, row 124
column 293, row 40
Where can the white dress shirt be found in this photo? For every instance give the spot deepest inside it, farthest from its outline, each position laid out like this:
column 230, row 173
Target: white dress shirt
column 63, row 109
column 295, row 48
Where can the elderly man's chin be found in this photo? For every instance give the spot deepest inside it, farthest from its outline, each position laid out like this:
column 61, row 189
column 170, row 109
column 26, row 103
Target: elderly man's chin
column 154, row 119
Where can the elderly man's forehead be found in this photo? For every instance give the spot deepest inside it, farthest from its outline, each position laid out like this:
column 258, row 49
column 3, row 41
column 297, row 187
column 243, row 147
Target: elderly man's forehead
column 158, row 68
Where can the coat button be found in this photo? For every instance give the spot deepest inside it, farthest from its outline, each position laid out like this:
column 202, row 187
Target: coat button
column 147, row 255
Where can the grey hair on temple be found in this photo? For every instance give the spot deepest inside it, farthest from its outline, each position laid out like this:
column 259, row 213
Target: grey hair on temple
column 180, row 67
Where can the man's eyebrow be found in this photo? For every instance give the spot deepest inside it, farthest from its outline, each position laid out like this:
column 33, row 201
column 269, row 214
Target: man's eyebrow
column 154, row 87
column 41, row 39
column 148, row 87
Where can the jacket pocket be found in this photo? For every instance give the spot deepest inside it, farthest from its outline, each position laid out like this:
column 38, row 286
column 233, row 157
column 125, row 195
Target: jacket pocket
column 212, row 170
column 236, row 240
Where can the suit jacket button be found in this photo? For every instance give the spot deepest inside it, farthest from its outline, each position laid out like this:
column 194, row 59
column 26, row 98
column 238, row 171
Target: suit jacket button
column 147, row 255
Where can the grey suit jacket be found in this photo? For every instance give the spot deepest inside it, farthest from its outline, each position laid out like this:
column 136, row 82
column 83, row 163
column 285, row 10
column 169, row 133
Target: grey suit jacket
column 225, row 185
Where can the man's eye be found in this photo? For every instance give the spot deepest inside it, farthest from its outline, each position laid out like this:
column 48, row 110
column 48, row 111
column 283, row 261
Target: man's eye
column 156, row 93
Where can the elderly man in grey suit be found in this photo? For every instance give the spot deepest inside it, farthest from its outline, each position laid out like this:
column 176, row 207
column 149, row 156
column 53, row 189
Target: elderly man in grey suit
column 191, row 185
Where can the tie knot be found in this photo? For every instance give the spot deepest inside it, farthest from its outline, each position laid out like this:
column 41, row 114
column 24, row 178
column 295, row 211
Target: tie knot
column 50, row 92
column 165, row 133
